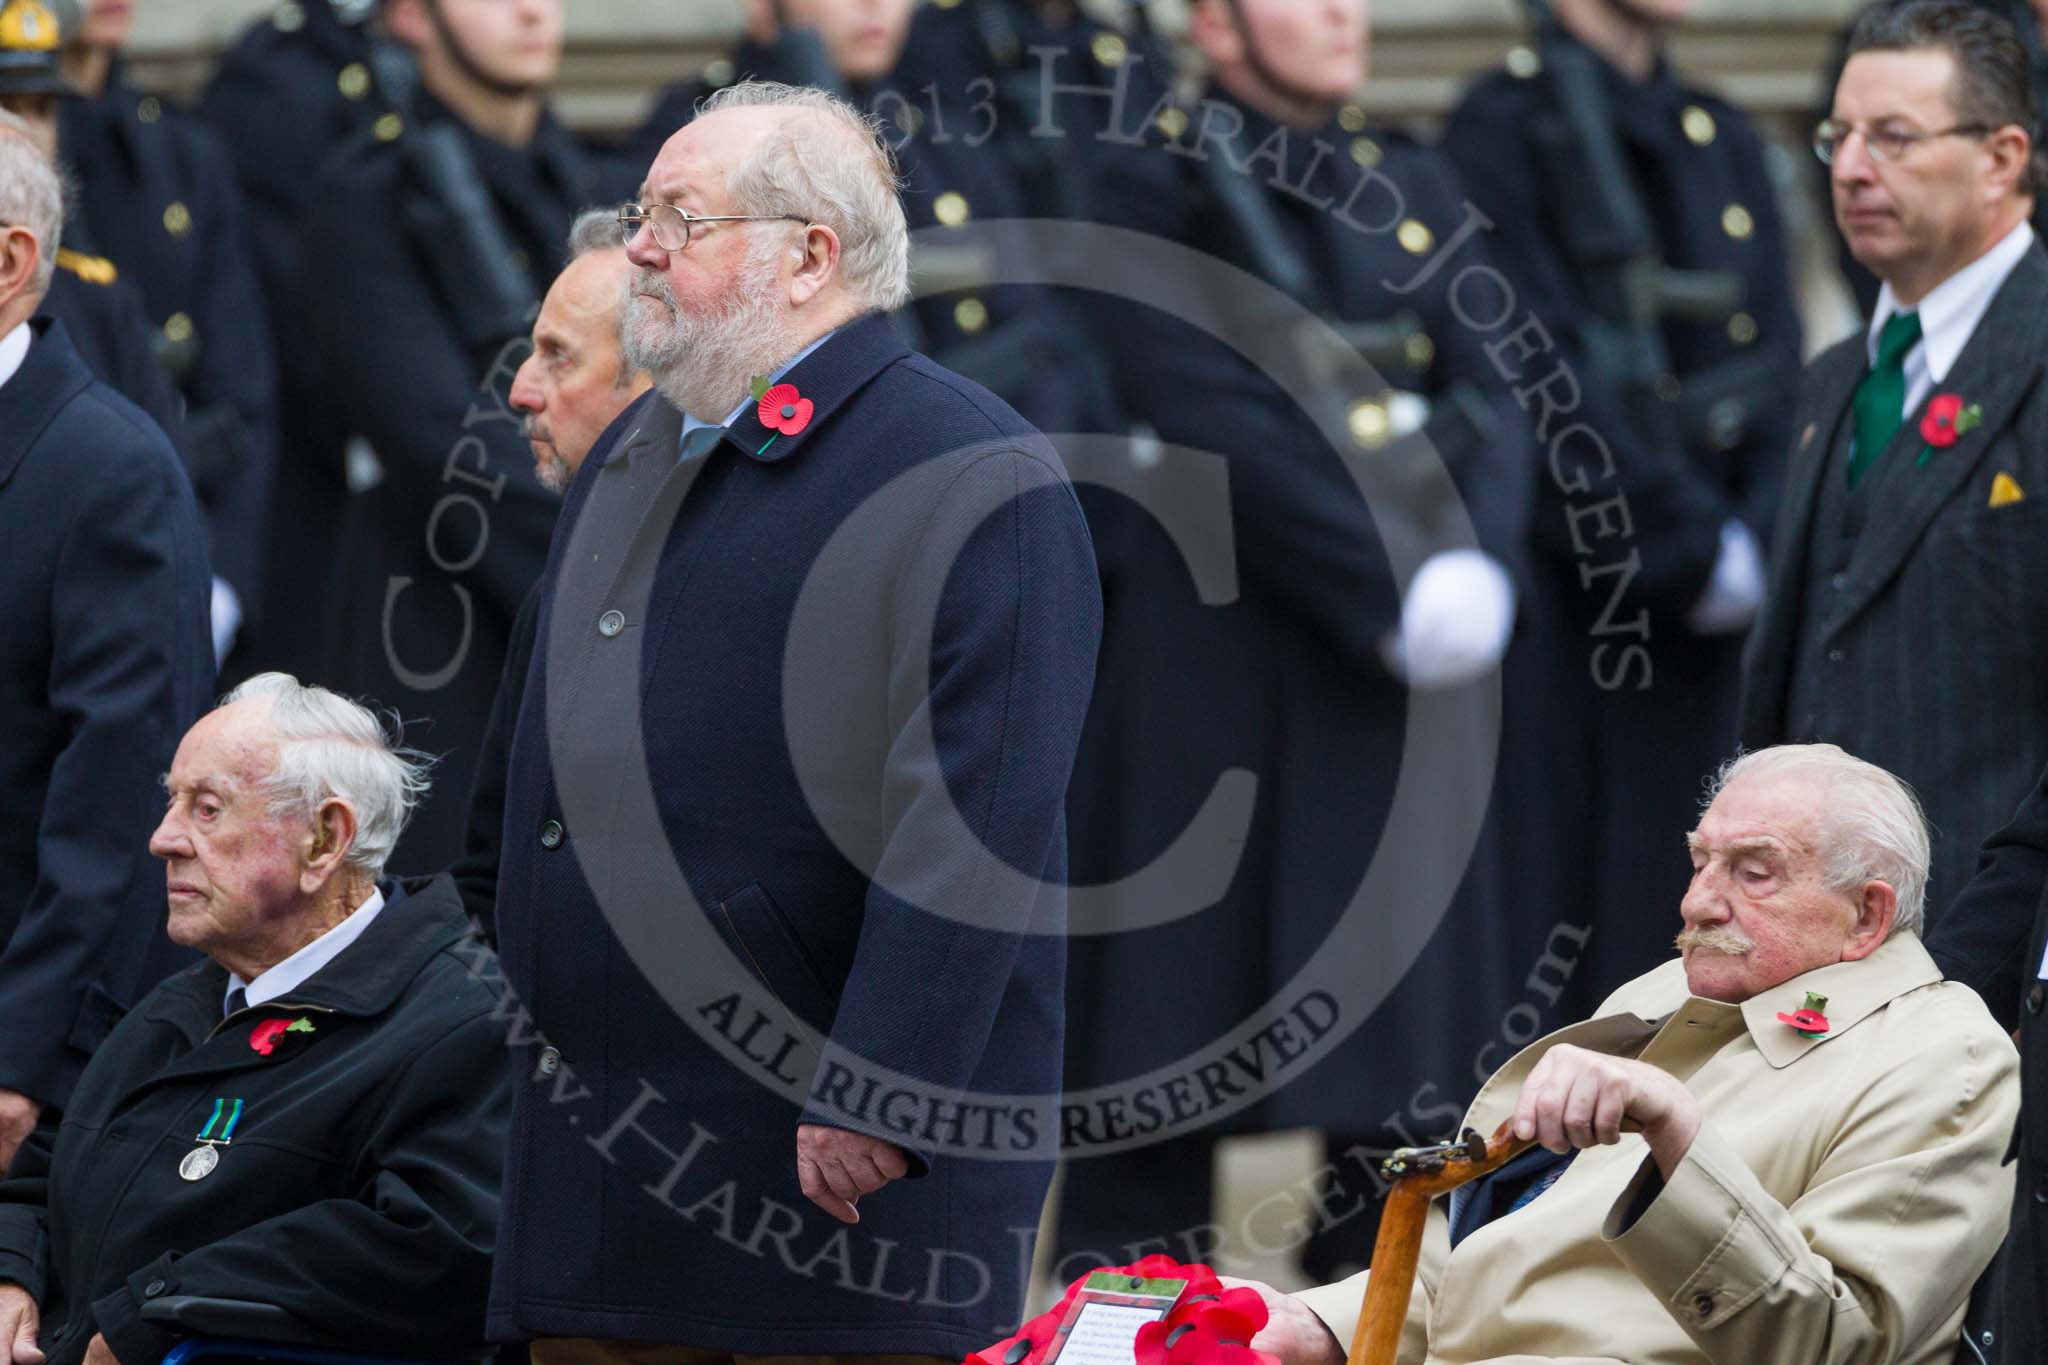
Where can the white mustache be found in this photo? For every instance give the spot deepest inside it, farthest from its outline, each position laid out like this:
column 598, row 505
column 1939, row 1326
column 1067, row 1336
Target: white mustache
column 1714, row 940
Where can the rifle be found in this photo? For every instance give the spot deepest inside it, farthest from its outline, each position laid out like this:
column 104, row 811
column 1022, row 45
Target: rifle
column 453, row 223
column 1460, row 423
column 1630, row 290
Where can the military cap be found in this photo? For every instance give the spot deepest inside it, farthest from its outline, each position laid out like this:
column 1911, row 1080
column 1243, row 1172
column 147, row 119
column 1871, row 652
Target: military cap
column 30, row 37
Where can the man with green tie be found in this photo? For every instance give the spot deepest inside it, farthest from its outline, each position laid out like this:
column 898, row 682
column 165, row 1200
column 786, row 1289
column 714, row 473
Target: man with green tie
column 1907, row 614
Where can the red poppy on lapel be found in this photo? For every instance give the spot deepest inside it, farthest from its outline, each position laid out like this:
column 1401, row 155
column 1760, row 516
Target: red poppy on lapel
column 1947, row 419
column 264, row 1037
column 785, row 410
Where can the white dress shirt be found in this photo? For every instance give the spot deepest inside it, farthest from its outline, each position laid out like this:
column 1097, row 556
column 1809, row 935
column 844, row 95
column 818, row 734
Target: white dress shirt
column 13, row 350
column 1949, row 315
column 295, row 970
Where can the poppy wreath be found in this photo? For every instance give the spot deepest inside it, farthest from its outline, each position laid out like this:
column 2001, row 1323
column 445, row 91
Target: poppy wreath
column 1947, row 419
column 1209, row 1325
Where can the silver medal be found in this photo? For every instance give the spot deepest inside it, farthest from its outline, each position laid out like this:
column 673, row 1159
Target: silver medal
column 199, row 1162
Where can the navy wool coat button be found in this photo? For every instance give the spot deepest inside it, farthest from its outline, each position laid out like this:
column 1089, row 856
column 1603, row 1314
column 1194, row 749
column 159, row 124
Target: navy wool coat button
column 551, row 834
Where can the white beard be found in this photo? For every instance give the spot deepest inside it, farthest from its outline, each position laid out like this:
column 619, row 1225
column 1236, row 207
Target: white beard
column 702, row 363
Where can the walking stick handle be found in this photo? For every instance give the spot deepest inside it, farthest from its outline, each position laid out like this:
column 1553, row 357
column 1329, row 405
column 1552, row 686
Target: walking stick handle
column 1418, row 1175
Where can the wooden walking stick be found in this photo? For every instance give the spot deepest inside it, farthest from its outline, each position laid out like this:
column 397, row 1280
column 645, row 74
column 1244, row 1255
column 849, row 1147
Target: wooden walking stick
column 1418, row 1175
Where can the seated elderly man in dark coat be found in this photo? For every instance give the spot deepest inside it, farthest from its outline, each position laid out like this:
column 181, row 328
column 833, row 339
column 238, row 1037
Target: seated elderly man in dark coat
column 315, row 1118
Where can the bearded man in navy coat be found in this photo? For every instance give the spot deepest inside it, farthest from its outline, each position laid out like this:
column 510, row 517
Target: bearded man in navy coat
column 782, row 895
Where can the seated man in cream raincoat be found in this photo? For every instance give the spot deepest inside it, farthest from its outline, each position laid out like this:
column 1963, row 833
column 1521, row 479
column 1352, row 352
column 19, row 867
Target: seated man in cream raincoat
column 1713, row 1179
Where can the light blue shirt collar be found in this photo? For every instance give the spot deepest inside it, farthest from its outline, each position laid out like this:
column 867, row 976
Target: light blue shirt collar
column 690, row 423
column 297, row 969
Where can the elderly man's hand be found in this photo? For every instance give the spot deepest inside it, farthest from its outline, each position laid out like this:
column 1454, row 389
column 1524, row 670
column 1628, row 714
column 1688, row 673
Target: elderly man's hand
column 1576, row 1098
column 836, row 1167
column 19, row 1322
column 97, row 1352
column 1292, row 1331
column 18, row 1115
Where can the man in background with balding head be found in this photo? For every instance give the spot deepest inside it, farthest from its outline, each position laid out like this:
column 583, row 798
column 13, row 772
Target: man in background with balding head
column 814, row 645
column 573, row 385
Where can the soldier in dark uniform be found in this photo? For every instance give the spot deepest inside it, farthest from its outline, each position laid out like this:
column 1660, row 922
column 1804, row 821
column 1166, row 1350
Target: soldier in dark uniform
column 158, row 198
column 1623, row 684
column 1025, row 344
column 1304, row 671
column 297, row 85
column 434, row 250
column 102, row 312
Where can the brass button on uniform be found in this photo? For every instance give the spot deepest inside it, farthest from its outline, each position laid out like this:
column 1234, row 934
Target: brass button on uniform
column 1108, row 49
column 388, row 127
column 289, row 18
column 178, row 328
column 718, row 73
column 1370, row 423
column 910, row 118
column 611, row 623
column 1738, row 222
column 1698, row 125
column 1365, row 152
column 950, row 208
column 1172, row 122
column 1415, row 237
column 354, row 81
column 149, row 109
column 177, row 218
column 1742, row 329
column 1419, row 350
column 1523, row 63
column 970, row 314
column 1351, row 119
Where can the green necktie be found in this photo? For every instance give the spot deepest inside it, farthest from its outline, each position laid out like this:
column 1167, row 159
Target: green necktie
column 1881, row 397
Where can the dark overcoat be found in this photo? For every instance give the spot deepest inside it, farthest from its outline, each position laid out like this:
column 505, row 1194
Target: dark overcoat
column 105, row 660
column 784, row 753
column 1283, row 676
column 158, row 196
column 1611, row 695
column 291, row 90
column 1994, row 938
column 1916, row 642
column 356, row 1184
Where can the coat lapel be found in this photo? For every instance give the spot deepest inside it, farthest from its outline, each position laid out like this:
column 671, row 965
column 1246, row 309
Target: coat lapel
column 2001, row 362
column 1829, row 387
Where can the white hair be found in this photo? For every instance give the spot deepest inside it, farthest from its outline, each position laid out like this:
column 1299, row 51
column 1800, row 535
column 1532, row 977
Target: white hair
column 1870, row 824
column 31, row 194
column 831, row 168
column 331, row 747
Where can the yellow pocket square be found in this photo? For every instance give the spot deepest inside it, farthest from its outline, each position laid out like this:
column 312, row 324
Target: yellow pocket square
column 2006, row 489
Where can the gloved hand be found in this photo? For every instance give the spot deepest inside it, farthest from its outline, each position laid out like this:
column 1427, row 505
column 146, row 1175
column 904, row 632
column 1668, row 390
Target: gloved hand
column 1455, row 621
column 1735, row 590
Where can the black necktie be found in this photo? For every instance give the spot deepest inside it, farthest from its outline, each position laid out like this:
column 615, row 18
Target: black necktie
column 238, row 1000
